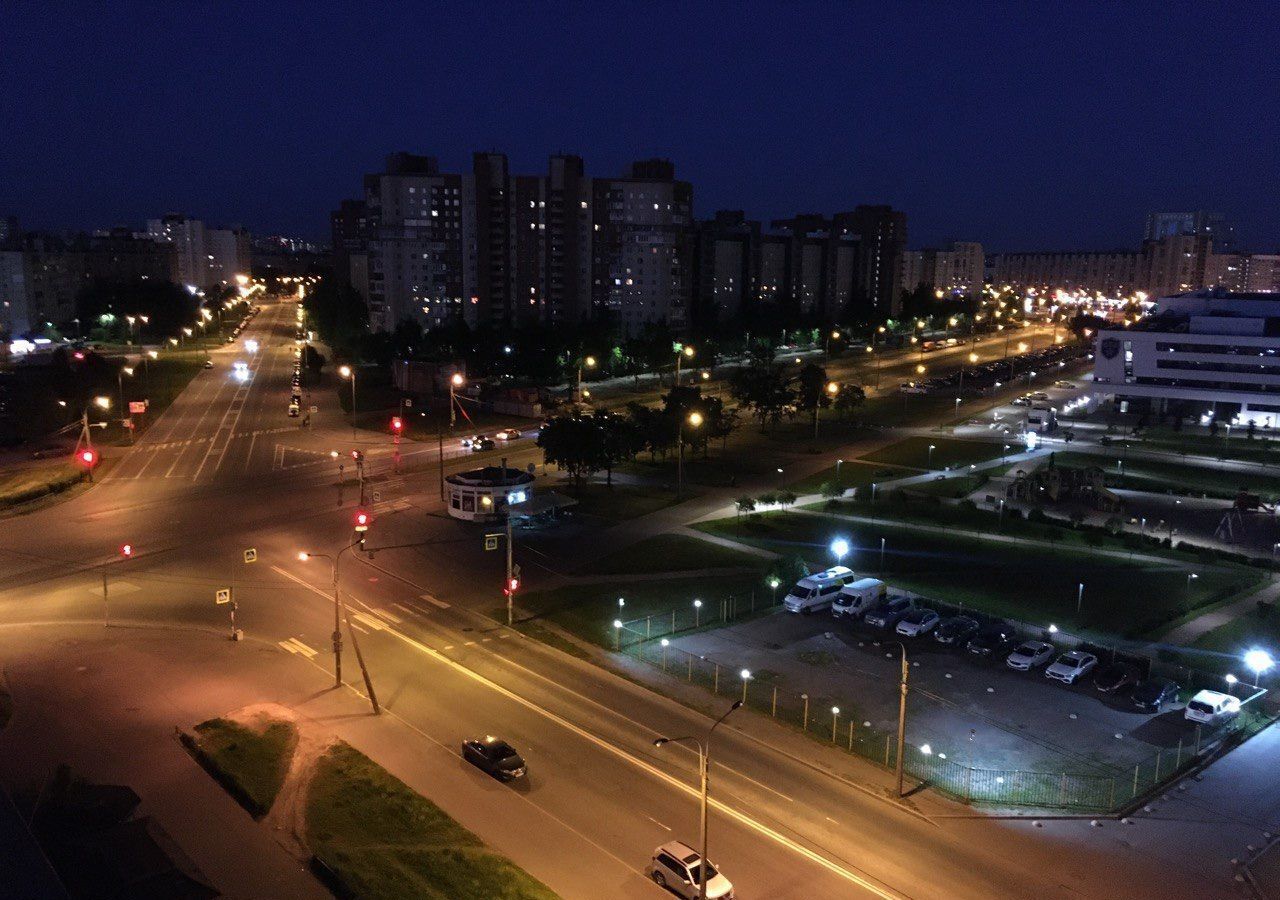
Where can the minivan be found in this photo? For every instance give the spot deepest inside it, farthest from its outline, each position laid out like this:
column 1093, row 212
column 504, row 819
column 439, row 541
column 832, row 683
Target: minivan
column 856, row 598
column 817, row 592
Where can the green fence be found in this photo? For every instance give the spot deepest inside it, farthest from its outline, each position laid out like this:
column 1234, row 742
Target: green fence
column 835, row 721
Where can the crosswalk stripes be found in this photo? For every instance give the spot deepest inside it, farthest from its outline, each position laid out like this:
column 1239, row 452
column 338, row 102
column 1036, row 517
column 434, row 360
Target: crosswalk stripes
column 293, row 645
column 434, row 602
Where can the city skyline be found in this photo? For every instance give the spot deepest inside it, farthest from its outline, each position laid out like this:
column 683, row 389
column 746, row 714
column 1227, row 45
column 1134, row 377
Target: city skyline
column 176, row 142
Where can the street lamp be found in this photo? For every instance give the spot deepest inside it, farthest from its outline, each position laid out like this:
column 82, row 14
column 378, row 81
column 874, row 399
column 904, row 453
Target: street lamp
column 1192, row 576
column 695, row 420
column 745, row 674
column 929, row 462
column 697, row 613
column 682, row 350
column 773, row 586
column 902, row 713
column 337, row 626
column 102, row 402
column 349, row 372
column 455, row 382
column 1259, row 661
column 835, row 717
column 704, row 758
column 587, row 362
column 839, row 549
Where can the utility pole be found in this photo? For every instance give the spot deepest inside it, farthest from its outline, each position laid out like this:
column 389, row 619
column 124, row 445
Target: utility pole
column 106, row 618
column 902, row 715
column 440, row 438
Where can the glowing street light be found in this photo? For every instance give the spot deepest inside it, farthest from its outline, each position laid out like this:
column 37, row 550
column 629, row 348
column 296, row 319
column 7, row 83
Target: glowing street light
column 1259, row 660
column 839, row 549
column 745, row 675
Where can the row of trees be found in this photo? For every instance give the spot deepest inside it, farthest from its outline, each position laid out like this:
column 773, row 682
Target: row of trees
column 772, row 391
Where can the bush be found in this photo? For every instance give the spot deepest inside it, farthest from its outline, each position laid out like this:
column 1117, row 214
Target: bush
column 831, row 489
column 967, row 505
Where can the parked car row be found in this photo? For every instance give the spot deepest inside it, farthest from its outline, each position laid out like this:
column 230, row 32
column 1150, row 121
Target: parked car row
column 240, row 326
column 868, row 600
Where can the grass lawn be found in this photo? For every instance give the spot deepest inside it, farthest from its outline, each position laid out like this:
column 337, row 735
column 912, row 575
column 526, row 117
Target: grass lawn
column 250, row 762
column 385, row 841
column 36, row 480
column 953, row 488
column 853, row 473
column 671, row 553
column 1238, row 446
column 588, row 610
column 1031, row 584
column 622, row 501
column 913, row 452
column 1253, row 629
column 1161, row 477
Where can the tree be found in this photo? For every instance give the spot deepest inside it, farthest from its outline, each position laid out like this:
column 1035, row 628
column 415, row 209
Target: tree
column 745, row 505
column 786, row 499
column 621, row 441
column 787, row 570
column 811, row 391
column 312, row 359
column 168, row 307
column 721, row 421
column 764, row 390
column 849, row 398
column 575, row 444
column 339, row 313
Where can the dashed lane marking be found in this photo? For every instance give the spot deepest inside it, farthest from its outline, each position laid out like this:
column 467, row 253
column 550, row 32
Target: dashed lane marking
column 434, row 602
column 393, row 619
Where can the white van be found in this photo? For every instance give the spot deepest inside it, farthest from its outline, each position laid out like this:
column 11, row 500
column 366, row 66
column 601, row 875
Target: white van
column 856, row 598
column 1212, row 707
column 816, row 592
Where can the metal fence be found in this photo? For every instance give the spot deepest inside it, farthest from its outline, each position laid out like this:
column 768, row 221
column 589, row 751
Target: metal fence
column 832, row 721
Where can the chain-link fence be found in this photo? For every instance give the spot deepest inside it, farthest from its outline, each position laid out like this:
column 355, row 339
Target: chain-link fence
column 831, row 720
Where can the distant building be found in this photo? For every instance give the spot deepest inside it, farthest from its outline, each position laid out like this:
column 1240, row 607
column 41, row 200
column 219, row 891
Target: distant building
column 725, row 262
column 8, row 229
column 882, row 238
column 960, row 268
column 1212, row 353
column 207, row 257
column 1165, row 266
column 1199, row 223
column 119, row 255
column 1244, row 272
column 39, row 280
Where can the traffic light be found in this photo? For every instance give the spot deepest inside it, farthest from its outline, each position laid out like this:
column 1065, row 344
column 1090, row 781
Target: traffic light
column 397, row 424
column 88, row 457
column 126, row 550
column 513, row 585
column 362, row 519
column 357, row 455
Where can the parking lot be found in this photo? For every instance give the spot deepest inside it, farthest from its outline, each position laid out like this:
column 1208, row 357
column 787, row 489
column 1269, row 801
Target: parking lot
column 977, row 712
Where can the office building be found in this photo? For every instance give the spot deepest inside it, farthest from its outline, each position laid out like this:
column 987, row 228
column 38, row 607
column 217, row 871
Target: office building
column 119, row 255
column 1207, row 353
column 881, row 233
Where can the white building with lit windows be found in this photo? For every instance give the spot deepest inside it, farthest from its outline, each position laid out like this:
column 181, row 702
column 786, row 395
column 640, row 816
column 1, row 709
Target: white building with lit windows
column 1208, row 353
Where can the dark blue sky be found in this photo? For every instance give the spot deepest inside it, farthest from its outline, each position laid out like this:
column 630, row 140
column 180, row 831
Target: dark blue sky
column 1022, row 125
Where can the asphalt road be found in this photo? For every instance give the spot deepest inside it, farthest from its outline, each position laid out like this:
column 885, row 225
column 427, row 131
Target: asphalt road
column 784, row 825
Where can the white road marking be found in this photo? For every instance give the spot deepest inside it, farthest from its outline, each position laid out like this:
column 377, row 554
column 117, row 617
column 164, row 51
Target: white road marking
column 360, row 628
column 406, row 610
column 368, row 621
column 435, row 602
column 660, row 825
column 830, row 865
column 288, row 646
column 303, row 648
column 393, row 619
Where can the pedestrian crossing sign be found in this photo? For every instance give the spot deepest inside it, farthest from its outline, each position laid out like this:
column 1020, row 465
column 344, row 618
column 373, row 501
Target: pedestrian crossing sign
column 222, row 595
column 491, row 541
column 251, row 555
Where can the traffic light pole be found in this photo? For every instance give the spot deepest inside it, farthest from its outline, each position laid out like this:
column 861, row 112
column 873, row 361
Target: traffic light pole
column 511, row 594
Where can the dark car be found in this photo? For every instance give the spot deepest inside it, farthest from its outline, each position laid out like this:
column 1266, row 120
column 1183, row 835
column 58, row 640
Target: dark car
column 992, row 640
column 494, row 756
column 955, row 631
column 1115, row 678
column 1152, row 694
column 481, row 444
column 888, row 613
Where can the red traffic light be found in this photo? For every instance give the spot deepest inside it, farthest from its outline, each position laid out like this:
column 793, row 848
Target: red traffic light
column 513, row 585
column 88, row 458
column 362, row 519
column 79, row 354
column 126, row 549
column 397, row 424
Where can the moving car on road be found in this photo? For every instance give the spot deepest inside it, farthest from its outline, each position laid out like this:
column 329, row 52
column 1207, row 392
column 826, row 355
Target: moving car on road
column 494, row 756
column 1154, row 693
column 918, row 622
column 1070, row 666
column 1029, row 655
column 678, row 867
column 482, row 443
column 508, row 434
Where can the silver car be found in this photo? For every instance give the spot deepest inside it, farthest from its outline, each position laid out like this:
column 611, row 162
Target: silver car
column 918, row 622
column 676, row 867
column 1029, row 655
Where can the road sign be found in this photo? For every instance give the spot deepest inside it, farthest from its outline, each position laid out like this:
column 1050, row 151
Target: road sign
column 251, row 555
column 491, row 541
column 137, row 406
column 314, row 410
column 377, row 495
column 408, row 402
column 222, row 595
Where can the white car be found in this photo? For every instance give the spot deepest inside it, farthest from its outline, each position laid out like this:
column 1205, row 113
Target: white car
column 1029, row 655
column 1070, row 666
column 918, row 622
column 676, row 867
column 508, row 434
column 1212, row 708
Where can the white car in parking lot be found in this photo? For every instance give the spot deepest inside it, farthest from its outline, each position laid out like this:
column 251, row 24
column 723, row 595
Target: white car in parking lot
column 1211, row 707
column 1029, row 655
column 918, row 622
column 1070, row 666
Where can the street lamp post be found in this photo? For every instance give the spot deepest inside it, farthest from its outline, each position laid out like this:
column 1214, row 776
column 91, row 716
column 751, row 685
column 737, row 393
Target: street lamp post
column 589, row 362
column 454, row 383
column 1192, row 576
column 929, row 462
column 704, row 759
column 902, row 714
column 349, row 372
column 339, row 612
column 682, row 350
column 695, row 419
column 839, row 549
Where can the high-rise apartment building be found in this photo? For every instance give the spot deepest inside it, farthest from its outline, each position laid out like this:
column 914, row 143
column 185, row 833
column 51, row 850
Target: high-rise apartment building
column 957, row 269
column 40, row 277
column 881, row 233
column 206, row 257
column 1254, row 273
column 726, row 264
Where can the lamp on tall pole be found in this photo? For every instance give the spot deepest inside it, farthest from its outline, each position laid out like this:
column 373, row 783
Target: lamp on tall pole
column 902, row 714
column 349, row 372
column 338, row 612
column 695, row 419
column 454, row 383
column 682, row 350
column 587, row 362
column 704, row 761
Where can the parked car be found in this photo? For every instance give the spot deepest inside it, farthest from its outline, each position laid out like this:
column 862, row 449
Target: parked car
column 508, row 434
column 1115, row 678
column 889, row 613
column 912, row 387
column 208, row 364
column 1154, row 693
column 1029, row 655
column 1022, row 401
column 677, row 867
column 494, row 756
column 918, row 622
column 816, row 592
column 1212, row 708
column 955, row 631
column 856, row 598
column 1070, row 666
column 991, row 640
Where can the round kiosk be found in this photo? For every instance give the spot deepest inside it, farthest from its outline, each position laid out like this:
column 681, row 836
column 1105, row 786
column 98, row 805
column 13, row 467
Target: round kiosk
column 483, row 495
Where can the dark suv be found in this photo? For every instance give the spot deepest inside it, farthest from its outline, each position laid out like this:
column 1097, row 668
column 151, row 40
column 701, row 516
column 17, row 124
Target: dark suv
column 992, row 640
column 888, row 613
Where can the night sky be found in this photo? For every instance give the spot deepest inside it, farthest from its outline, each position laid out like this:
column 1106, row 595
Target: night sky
column 1022, row 125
